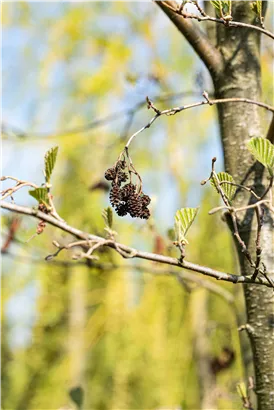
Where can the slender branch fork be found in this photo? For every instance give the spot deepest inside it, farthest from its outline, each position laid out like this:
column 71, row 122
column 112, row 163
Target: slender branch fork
column 92, row 242
column 128, row 252
column 226, row 20
column 233, row 213
column 206, row 101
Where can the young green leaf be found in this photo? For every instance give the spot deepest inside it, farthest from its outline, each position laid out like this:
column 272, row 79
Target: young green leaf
column 77, row 396
column 108, row 216
column 263, row 150
column 183, row 220
column 228, row 189
column 219, row 4
column 256, row 6
column 41, row 195
column 50, row 159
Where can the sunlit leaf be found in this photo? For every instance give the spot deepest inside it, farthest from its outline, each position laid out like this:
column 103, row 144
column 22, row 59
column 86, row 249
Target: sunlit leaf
column 228, row 189
column 50, row 159
column 263, row 150
column 183, row 220
column 41, row 195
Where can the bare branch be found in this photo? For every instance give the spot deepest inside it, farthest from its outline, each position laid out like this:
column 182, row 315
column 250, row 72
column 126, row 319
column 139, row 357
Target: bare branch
column 260, row 218
column 225, row 20
column 185, row 276
column 128, row 112
column 197, row 39
column 131, row 252
column 20, row 184
column 207, row 101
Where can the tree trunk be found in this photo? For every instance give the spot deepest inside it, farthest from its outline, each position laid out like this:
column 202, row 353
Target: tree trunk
column 241, row 77
column 235, row 68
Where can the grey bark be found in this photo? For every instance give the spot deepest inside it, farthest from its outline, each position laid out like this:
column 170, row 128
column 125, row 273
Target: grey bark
column 240, row 76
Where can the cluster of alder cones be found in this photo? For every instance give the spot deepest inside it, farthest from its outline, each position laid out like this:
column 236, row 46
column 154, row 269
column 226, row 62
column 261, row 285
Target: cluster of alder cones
column 127, row 198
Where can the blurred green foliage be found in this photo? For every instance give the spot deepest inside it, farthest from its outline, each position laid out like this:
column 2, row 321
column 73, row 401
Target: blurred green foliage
column 124, row 334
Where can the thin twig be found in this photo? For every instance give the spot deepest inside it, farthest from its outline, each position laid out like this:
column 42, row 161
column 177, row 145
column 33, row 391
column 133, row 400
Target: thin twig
column 228, row 277
column 230, row 209
column 186, row 276
column 20, row 184
column 207, row 101
column 268, row 188
column 97, row 122
column 235, row 210
column 241, row 187
column 260, row 216
column 226, row 22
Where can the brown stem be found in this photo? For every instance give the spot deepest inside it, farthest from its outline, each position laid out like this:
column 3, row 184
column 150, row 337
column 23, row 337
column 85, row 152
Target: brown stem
column 196, row 38
column 131, row 252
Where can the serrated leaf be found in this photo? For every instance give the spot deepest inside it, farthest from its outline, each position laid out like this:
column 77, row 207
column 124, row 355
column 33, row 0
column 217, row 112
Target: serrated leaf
column 108, row 216
column 263, row 150
column 50, row 159
column 41, row 195
column 224, row 6
column 228, row 189
column 216, row 4
column 183, row 220
column 77, row 396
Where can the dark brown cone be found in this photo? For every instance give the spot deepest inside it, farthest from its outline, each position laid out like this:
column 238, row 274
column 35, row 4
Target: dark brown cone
column 110, row 174
column 127, row 191
column 145, row 200
column 145, row 214
column 134, row 206
column 122, row 177
column 114, row 195
column 121, row 164
column 121, row 209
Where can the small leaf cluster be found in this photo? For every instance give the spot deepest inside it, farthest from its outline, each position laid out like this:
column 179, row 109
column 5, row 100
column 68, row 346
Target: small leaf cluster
column 224, row 181
column 263, row 150
column 223, row 7
column 183, row 221
column 41, row 194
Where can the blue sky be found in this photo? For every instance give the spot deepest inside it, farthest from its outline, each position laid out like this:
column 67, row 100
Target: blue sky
column 28, row 108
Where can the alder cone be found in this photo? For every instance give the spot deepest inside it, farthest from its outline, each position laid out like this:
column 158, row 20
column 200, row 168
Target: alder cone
column 121, row 209
column 145, row 214
column 124, row 198
column 145, row 200
column 127, row 190
column 134, row 206
column 110, row 174
column 121, row 177
column 115, row 195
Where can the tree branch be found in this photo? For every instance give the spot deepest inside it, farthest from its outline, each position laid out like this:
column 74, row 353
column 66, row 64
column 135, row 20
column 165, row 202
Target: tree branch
column 196, row 38
column 173, row 6
column 131, row 252
column 207, row 101
column 9, row 129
